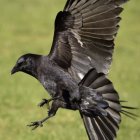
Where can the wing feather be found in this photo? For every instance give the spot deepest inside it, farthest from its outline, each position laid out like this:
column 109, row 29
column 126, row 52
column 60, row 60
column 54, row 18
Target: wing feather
column 102, row 127
column 86, row 30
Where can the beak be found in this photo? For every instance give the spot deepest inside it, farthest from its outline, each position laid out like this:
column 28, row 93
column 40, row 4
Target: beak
column 14, row 70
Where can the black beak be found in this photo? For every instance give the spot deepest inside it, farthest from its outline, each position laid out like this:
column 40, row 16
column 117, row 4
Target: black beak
column 14, row 70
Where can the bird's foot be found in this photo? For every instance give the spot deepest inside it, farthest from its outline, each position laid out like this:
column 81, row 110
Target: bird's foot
column 51, row 113
column 35, row 124
column 47, row 101
column 43, row 102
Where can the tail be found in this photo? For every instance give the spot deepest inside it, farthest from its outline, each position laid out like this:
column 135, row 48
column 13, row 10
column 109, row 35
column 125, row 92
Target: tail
column 103, row 127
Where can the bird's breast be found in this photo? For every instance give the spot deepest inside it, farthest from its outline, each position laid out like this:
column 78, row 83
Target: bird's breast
column 50, row 86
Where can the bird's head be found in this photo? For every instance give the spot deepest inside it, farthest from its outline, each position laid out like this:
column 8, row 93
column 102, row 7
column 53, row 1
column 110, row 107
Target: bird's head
column 27, row 64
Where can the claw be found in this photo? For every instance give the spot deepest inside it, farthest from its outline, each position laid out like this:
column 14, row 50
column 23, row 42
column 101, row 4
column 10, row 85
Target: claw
column 35, row 124
column 44, row 101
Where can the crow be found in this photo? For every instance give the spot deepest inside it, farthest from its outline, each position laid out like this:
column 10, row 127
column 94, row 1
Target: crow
column 74, row 72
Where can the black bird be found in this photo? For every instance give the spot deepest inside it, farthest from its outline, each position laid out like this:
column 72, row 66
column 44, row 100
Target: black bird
column 74, row 72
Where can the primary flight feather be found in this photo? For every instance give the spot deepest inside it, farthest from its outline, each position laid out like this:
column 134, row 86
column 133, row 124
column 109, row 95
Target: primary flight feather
column 74, row 72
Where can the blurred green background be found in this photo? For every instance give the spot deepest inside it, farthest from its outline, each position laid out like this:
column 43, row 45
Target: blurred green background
column 27, row 26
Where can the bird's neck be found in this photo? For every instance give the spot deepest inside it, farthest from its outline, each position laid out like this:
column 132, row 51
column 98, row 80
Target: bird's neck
column 32, row 73
column 33, row 70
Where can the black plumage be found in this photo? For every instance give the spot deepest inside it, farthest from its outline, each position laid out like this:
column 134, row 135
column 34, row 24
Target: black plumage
column 74, row 72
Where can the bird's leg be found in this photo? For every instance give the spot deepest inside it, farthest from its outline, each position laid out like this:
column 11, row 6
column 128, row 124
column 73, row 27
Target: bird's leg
column 36, row 124
column 51, row 113
column 47, row 101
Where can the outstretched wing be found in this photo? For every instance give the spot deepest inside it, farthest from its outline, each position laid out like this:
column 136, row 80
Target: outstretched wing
column 102, row 127
column 84, row 36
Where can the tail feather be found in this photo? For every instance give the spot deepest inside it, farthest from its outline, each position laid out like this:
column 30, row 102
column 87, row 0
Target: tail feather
column 127, row 113
column 128, row 107
column 115, row 115
column 133, row 118
column 99, row 82
column 111, row 97
column 93, row 130
column 104, row 127
column 109, row 123
column 106, row 89
column 89, row 78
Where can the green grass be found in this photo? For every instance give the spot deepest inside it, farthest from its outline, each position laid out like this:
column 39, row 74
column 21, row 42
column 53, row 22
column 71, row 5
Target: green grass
column 27, row 26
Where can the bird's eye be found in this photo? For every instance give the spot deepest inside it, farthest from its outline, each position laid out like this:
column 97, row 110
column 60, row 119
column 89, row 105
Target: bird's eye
column 21, row 61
